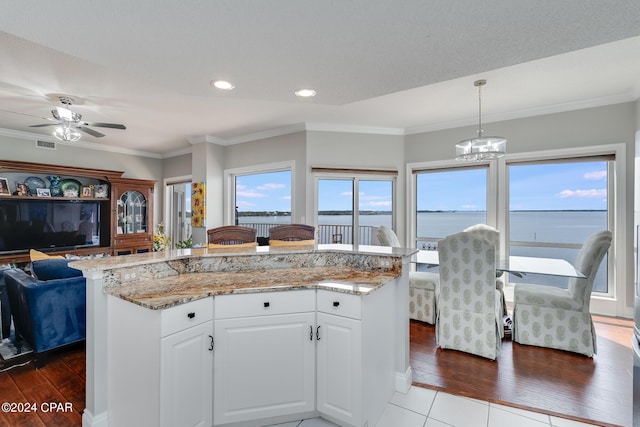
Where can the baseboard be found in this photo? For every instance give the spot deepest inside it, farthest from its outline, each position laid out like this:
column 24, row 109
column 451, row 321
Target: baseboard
column 89, row 420
column 403, row 381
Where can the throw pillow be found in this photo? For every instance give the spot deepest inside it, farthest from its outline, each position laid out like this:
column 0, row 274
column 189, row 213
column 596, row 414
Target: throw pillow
column 51, row 269
column 37, row 255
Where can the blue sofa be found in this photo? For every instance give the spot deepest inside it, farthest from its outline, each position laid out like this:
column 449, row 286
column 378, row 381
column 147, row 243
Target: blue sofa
column 48, row 308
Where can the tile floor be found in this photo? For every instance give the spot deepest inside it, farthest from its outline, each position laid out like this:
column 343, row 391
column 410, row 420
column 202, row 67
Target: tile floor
column 422, row 407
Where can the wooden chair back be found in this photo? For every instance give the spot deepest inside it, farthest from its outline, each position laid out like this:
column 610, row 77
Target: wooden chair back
column 292, row 232
column 231, row 235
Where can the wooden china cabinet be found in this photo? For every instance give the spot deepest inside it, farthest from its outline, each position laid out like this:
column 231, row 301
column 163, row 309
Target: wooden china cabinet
column 121, row 218
column 132, row 216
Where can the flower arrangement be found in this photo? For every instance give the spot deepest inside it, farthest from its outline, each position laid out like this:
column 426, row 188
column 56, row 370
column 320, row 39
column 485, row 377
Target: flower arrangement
column 160, row 239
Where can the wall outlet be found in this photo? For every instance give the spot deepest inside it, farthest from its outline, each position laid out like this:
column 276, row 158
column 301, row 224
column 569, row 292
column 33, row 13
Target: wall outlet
column 384, row 263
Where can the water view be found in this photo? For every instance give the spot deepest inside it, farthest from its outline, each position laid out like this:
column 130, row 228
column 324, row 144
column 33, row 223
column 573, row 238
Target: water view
column 570, row 227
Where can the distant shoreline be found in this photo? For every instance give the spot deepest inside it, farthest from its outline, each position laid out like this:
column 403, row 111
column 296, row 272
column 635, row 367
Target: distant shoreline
column 342, row 213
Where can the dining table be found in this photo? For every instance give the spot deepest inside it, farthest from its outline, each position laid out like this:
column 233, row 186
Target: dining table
column 515, row 264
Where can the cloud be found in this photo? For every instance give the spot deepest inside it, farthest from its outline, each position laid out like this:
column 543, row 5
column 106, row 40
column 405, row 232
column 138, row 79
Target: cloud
column 382, row 203
column 594, row 176
column 285, row 198
column 271, row 186
column 249, row 193
column 240, row 187
column 244, row 205
column 582, row 193
column 469, row 206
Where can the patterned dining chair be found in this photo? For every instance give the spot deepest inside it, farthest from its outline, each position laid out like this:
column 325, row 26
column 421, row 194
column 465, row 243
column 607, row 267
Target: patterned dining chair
column 492, row 235
column 423, row 285
column 469, row 304
column 559, row 318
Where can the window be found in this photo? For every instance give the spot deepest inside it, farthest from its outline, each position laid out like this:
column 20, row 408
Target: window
column 261, row 197
column 337, row 195
column 554, row 206
column 448, row 201
column 545, row 203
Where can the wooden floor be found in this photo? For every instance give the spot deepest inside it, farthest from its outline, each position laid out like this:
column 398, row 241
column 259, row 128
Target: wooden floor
column 597, row 391
column 594, row 390
column 55, row 393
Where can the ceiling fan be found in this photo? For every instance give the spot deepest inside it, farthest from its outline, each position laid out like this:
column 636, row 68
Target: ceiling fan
column 69, row 122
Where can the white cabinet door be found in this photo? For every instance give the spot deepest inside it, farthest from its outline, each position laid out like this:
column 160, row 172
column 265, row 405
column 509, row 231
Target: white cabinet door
column 264, row 366
column 339, row 377
column 186, row 396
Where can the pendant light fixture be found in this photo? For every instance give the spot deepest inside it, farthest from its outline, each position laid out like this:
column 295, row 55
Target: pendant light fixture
column 482, row 147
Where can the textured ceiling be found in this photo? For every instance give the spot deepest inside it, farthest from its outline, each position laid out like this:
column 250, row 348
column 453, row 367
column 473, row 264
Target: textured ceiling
column 389, row 66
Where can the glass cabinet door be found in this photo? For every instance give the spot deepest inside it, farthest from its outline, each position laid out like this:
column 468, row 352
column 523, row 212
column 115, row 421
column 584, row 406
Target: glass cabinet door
column 132, row 213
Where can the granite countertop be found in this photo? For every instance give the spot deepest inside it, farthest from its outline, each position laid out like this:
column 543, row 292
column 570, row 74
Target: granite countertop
column 167, row 292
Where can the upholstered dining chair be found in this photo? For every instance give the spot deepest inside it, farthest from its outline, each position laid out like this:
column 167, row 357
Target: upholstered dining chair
column 292, row 235
column 492, row 235
column 231, row 235
column 423, row 285
column 559, row 318
column 469, row 310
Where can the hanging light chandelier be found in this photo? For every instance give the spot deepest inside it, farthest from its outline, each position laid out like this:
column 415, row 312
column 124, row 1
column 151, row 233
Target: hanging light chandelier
column 482, row 147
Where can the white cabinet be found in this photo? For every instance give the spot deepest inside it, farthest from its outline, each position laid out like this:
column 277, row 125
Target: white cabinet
column 339, row 372
column 160, row 364
column 355, row 366
column 186, row 389
column 264, row 355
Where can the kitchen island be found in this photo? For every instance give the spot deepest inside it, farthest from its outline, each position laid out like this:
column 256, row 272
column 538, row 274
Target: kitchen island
column 247, row 336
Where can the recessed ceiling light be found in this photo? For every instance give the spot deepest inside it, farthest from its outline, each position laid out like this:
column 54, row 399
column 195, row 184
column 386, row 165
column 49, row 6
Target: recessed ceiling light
column 222, row 84
column 305, row 93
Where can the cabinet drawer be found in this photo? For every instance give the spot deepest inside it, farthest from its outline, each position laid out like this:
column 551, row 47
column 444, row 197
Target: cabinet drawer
column 183, row 316
column 264, row 303
column 339, row 303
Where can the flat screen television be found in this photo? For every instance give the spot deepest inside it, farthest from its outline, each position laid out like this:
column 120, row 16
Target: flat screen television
column 48, row 224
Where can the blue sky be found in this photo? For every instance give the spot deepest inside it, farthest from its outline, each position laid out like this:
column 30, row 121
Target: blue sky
column 554, row 186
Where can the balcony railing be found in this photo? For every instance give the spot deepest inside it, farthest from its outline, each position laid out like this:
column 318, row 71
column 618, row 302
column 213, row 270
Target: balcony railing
column 326, row 233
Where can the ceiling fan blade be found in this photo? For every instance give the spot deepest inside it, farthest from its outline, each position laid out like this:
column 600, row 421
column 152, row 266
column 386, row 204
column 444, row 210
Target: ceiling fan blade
column 43, row 125
column 105, row 125
column 29, row 115
column 90, row 131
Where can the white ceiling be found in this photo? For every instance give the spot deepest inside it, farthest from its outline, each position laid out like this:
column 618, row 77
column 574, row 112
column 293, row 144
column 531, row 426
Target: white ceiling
column 389, row 66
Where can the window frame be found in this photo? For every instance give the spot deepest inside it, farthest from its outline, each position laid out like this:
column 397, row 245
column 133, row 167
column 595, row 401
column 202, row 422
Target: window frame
column 355, row 176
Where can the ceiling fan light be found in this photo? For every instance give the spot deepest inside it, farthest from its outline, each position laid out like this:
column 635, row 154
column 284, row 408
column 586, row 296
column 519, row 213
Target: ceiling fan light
column 66, row 134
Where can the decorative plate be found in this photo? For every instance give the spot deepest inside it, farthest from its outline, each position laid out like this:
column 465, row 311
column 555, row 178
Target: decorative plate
column 33, row 182
column 70, row 187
